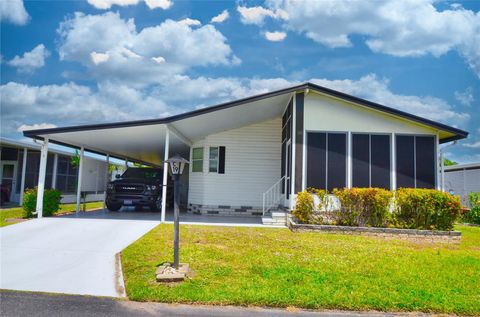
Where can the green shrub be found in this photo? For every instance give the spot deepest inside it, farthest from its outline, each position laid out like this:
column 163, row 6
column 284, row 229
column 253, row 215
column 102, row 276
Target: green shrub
column 364, row 207
column 305, row 210
column 473, row 215
column 426, row 209
column 51, row 201
column 304, row 207
column 413, row 208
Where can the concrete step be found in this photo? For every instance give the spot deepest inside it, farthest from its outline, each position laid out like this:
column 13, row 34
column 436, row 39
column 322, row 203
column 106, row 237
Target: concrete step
column 275, row 218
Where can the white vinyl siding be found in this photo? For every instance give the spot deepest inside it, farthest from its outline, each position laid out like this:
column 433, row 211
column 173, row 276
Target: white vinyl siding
column 252, row 165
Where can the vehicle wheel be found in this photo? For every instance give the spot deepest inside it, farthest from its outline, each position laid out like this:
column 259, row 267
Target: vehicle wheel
column 113, row 206
column 157, row 206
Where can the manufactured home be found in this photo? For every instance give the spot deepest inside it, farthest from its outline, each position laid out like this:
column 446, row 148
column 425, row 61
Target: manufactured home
column 251, row 156
column 19, row 170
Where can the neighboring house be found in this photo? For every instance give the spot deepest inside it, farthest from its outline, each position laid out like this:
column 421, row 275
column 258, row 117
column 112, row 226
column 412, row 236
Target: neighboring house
column 19, row 168
column 463, row 179
column 253, row 155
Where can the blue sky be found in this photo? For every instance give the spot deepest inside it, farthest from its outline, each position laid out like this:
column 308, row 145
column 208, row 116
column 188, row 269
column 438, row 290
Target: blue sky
column 79, row 62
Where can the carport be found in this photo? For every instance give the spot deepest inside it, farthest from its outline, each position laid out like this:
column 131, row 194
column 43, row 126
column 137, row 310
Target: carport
column 143, row 142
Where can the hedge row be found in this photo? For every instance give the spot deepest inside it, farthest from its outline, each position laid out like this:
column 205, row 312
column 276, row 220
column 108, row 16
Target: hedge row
column 377, row 207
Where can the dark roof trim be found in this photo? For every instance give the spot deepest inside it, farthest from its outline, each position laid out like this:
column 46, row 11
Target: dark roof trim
column 459, row 134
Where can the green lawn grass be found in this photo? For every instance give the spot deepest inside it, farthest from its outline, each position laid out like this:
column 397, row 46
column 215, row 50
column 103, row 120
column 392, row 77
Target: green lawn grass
column 276, row 267
column 19, row 213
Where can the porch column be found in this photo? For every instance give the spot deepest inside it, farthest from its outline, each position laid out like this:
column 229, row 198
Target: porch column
column 106, row 183
column 54, row 173
column 437, row 163
column 349, row 160
column 393, row 168
column 79, row 183
column 41, row 178
column 22, row 182
column 165, row 175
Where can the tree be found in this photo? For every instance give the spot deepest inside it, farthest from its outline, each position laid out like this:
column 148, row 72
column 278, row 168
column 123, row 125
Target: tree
column 447, row 162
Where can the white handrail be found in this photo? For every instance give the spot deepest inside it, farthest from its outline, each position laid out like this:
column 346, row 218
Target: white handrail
column 272, row 196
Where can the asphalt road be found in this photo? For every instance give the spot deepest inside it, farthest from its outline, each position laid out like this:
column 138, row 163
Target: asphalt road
column 18, row 304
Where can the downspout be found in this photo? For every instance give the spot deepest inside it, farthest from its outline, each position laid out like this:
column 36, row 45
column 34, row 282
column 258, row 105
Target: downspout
column 442, row 164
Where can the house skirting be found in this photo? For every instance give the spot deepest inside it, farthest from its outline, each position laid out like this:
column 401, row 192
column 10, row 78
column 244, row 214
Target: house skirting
column 225, row 210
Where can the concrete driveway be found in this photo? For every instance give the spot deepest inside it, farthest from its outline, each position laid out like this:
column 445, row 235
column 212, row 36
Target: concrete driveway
column 67, row 255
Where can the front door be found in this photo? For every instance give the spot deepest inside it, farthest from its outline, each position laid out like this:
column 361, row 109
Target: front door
column 8, row 177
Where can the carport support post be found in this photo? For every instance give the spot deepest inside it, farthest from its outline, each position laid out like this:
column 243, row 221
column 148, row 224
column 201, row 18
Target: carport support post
column 79, row 184
column 106, row 182
column 22, row 182
column 165, row 175
column 41, row 178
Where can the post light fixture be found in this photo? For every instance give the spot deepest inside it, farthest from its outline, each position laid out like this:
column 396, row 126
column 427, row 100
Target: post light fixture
column 177, row 164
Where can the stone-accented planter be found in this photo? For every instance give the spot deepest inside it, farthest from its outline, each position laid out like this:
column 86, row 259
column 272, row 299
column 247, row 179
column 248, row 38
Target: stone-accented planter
column 436, row 236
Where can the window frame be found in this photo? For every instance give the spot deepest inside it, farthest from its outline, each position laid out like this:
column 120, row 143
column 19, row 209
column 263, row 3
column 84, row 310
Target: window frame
column 435, row 158
column 327, row 132
column 198, row 159
column 210, row 159
column 370, row 156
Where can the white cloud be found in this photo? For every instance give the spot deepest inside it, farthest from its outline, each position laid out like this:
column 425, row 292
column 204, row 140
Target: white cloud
column 14, row 12
column 131, row 51
column 275, row 36
column 35, row 126
column 466, row 97
column 30, row 61
column 158, row 59
column 257, row 15
column 70, row 104
column 162, row 4
column 398, row 28
column 474, row 145
column 151, row 4
column 190, row 22
column 221, row 17
column 98, row 58
column 107, row 4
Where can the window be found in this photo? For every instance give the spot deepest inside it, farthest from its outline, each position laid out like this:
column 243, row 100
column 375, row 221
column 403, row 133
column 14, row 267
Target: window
column 213, row 160
column 197, row 159
column 326, row 160
column 67, row 175
column 415, row 158
column 371, row 160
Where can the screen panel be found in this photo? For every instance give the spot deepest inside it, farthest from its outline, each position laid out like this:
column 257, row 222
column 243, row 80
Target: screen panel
column 380, row 161
column 316, row 160
column 337, row 160
column 425, row 161
column 360, row 160
column 405, row 161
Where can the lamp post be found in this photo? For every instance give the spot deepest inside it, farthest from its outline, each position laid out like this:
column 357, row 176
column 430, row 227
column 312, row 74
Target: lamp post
column 177, row 164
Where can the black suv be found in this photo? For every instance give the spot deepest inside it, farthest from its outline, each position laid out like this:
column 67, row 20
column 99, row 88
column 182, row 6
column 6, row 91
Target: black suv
column 136, row 187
